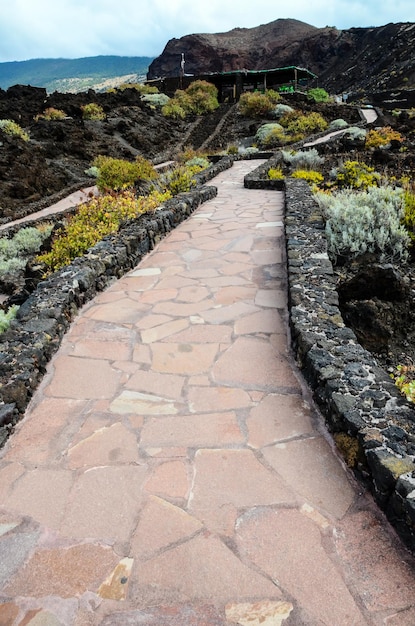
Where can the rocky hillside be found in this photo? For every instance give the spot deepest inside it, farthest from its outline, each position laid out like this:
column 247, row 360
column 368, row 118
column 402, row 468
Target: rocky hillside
column 357, row 59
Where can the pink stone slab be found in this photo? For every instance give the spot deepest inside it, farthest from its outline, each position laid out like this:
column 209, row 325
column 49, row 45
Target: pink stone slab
column 253, row 363
column 73, row 378
column 203, row 399
column 169, row 479
column 161, row 525
column 104, row 503
column 110, row 445
column 312, row 469
column 64, row 572
column 201, row 569
column 191, row 431
column 183, row 358
column 42, row 494
column 278, row 417
column 287, row 546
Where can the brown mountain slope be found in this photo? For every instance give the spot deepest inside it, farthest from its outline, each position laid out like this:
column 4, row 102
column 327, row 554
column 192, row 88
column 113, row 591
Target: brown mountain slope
column 368, row 59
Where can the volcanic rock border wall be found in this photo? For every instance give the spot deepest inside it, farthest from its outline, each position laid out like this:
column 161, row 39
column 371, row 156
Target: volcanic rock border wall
column 373, row 425
column 28, row 345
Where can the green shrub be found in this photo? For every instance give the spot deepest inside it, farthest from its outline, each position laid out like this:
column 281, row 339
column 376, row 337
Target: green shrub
column 233, row 150
column 282, row 109
column 199, row 98
column 156, row 99
column 289, row 116
column 199, row 162
column 12, row 128
column 308, row 123
column 404, row 377
column 303, row 159
column 10, row 266
column 140, row 87
column 267, row 133
column 188, row 153
column 51, row 114
column 275, row 174
column 25, row 242
column 7, row 317
column 367, row 221
column 355, row 134
column 180, row 180
column 356, row 175
column 92, row 171
column 256, row 104
column 248, row 150
column 318, row 95
column 93, row 221
column 118, row 174
column 174, row 110
column 93, row 111
column 408, row 219
column 338, row 124
column 15, row 252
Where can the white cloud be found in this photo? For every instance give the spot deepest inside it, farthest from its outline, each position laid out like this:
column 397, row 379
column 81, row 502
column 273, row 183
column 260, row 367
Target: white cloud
column 75, row 28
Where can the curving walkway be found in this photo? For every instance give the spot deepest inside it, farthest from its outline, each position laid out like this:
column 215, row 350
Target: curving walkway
column 171, row 469
column 69, row 202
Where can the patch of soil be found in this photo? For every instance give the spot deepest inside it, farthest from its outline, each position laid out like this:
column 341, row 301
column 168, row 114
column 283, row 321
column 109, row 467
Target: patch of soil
column 378, row 302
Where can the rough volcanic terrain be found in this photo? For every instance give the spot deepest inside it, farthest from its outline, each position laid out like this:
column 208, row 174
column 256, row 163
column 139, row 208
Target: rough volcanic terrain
column 34, row 174
column 356, row 60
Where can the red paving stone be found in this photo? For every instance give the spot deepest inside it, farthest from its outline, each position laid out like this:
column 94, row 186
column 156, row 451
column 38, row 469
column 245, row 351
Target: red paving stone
column 170, row 469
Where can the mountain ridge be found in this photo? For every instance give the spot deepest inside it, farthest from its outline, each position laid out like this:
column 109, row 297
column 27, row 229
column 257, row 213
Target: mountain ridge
column 360, row 58
column 85, row 72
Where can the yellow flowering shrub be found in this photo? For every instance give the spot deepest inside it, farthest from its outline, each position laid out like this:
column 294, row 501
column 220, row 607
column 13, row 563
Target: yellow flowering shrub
column 93, row 221
column 379, row 137
column 312, row 177
column 275, row 174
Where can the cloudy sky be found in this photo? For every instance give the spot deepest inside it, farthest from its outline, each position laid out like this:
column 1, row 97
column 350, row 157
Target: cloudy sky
column 79, row 28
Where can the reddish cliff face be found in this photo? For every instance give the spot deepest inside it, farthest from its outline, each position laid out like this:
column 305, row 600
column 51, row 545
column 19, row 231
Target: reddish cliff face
column 349, row 60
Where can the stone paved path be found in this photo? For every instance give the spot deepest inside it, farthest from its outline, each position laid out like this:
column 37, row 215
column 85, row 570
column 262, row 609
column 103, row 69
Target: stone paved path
column 73, row 200
column 171, row 469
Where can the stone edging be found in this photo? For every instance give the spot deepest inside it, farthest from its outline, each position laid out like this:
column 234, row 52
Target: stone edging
column 373, row 425
column 28, row 345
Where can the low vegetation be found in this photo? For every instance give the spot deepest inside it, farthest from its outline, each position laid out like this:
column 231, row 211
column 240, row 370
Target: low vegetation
column 9, row 127
column 94, row 220
column 381, row 137
column 199, row 98
column 368, row 221
column 318, row 95
column 404, row 377
column 51, row 114
column 292, row 126
column 15, row 252
column 303, row 159
column 119, row 174
column 7, row 316
column 257, row 104
column 93, row 111
column 355, row 175
column 275, row 173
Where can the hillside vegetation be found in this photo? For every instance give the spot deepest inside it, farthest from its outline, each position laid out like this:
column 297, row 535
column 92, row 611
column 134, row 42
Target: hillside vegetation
column 73, row 75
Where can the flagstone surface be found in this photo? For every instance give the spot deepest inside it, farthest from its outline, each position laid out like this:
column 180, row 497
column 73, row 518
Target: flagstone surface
column 172, row 469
